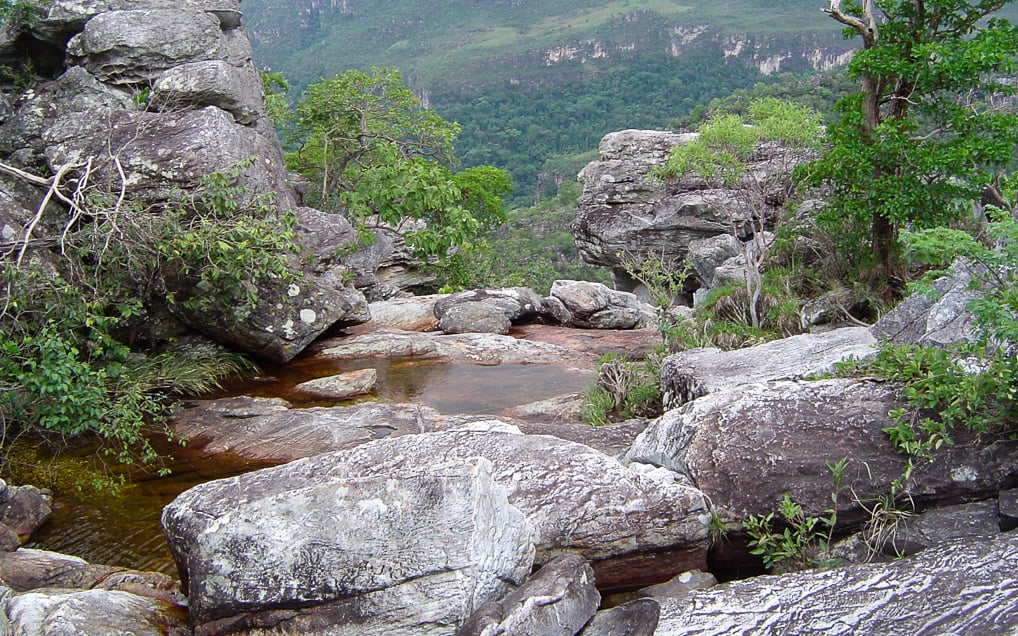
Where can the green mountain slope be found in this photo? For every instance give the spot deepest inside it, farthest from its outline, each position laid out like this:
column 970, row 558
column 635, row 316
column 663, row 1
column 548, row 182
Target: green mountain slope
column 529, row 80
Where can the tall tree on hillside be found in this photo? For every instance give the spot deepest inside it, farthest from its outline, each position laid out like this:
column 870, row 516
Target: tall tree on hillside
column 375, row 153
column 925, row 134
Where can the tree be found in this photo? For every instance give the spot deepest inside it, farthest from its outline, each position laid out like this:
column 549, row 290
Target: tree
column 721, row 154
column 374, row 152
column 924, row 135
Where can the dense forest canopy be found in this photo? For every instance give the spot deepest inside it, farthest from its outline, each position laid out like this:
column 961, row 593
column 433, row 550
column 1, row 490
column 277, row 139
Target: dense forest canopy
column 529, row 81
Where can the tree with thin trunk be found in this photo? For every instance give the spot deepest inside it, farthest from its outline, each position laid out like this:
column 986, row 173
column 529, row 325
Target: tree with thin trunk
column 925, row 134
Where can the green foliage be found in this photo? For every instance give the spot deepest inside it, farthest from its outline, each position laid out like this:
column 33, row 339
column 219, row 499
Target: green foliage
column 924, row 135
column 25, row 12
column 972, row 385
column 534, row 248
column 67, row 322
column 377, row 155
column 623, row 389
column 804, row 540
column 276, row 89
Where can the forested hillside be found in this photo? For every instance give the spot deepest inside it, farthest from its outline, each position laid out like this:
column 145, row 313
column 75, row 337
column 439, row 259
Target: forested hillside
column 529, row 81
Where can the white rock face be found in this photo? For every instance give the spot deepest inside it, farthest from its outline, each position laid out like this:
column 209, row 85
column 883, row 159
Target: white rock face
column 965, row 587
column 409, row 552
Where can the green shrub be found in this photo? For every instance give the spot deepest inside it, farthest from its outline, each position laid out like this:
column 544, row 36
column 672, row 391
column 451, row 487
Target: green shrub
column 623, row 389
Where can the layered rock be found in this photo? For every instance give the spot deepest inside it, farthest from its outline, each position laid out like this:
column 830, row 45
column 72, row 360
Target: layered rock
column 745, row 447
column 965, row 587
column 410, row 551
column 144, row 101
column 624, row 213
column 690, row 374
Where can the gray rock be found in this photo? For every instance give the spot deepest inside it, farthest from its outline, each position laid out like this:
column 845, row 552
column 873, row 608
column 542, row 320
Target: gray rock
column 286, row 318
column 135, row 46
column 75, row 92
column 635, row 618
column 237, row 90
column 576, row 499
column 483, row 348
column 341, row 385
column 263, row 429
column 707, row 254
column 66, row 17
column 413, row 552
column 964, row 587
column 1007, row 503
column 408, row 314
column 623, row 212
column 556, row 310
column 690, row 374
column 58, row 612
column 474, row 317
column 24, row 508
column 163, row 154
column 938, row 319
column 556, row 601
column 595, row 306
column 745, row 447
column 515, row 303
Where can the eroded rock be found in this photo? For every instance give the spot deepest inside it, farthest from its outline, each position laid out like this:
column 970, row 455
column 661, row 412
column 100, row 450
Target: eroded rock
column 964, row 587
column 690, row 374
column 409, row 551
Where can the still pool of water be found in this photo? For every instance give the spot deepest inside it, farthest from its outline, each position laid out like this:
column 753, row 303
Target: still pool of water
column 124, row 529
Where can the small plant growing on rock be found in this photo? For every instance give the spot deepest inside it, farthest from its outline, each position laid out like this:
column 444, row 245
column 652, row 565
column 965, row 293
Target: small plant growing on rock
column 623, row 388
column 805, row 540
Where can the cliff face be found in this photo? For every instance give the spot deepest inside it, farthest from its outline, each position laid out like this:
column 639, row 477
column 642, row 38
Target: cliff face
column 140, row 101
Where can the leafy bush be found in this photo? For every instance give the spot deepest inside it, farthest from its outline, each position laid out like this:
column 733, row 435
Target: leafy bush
column 973, row 385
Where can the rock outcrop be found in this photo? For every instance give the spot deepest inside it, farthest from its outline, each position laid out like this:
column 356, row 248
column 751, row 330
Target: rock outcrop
column 626, row 213
column 746, row 446
column 142, row 101
column 690, row 374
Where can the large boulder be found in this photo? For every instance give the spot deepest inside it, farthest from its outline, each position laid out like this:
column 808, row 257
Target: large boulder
column 285, row 319
column 596, row 306
column 486, row 310
column 964, row 587
column 624, row 213
column 413, row 551
column 746, row 446
column 635, row 528
column 690, row 374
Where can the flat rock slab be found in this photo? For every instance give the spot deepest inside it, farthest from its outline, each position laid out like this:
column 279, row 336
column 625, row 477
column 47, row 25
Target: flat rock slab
column 635, row 343
column 410, row 553
column 965, row 587
column 634, row 528
column 690, row 374
column 478, row 348
column 267, row 429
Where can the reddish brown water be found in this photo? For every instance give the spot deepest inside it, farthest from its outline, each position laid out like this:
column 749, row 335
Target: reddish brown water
column 124, row 529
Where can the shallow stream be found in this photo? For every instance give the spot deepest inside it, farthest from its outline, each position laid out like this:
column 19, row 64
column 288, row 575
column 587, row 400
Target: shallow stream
column 124, row 530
